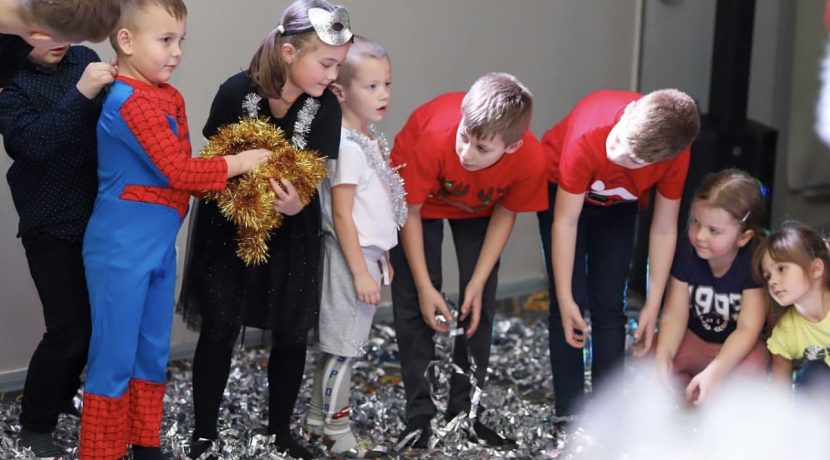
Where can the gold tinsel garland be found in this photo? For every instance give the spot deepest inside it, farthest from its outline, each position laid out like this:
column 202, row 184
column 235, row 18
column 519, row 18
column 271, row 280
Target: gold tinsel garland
column 248, row 201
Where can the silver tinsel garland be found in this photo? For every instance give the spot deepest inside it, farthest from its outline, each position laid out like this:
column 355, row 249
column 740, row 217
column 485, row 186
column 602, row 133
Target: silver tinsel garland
column 377, row 155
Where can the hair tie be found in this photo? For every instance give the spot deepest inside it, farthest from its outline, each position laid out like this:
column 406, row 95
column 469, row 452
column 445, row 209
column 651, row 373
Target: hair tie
column 280, row 29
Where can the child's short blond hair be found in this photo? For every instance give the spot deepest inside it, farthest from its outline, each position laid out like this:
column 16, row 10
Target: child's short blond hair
column 662, row 124
column 176, row 9
column 73, row 20
column 497, row 104
column 361, row 48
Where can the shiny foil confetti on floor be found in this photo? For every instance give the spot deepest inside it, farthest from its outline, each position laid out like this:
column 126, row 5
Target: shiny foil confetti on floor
column 516, row 402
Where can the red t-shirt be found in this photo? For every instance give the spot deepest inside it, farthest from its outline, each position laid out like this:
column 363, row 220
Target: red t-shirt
column 577, row 160
column 433, row 175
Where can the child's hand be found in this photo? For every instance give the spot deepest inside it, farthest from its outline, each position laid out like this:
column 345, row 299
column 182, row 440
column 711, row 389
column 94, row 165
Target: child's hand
column 472, row 303
column 644, row 334
column 96, row 76
column 288, row 200
column 431, row 301
column 702, row 386
column 573, row 324
column 245, row 161
column 366, row 288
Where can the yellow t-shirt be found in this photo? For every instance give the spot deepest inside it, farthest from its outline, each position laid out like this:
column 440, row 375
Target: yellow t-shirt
column 795, row 338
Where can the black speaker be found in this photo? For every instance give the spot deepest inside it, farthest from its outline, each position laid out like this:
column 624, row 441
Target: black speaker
column 727, row 138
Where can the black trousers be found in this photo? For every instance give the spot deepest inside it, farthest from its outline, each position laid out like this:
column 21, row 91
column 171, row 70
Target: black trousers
column 53, row 377
column 602, row 259
column 415, row 336
column 211, row 368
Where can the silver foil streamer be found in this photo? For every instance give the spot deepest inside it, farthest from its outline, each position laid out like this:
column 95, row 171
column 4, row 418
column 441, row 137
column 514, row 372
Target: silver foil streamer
column 303, row 124
column 377, row 155
column 517, row 399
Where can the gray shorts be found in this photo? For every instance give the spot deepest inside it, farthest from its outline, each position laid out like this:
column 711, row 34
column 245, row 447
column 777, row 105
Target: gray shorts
column 345, row 321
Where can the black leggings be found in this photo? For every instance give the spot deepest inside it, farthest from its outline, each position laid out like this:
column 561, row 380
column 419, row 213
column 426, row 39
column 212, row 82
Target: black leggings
column 211, row 367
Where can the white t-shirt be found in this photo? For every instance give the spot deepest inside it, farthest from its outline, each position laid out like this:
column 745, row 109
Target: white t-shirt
column 372, row 208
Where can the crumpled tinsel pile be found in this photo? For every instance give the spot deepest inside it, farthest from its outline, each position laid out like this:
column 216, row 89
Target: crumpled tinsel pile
column 516, row 402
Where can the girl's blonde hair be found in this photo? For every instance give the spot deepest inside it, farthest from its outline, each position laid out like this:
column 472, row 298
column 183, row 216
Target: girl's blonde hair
column 795, row 243
column 737, row 193
column 268, row 69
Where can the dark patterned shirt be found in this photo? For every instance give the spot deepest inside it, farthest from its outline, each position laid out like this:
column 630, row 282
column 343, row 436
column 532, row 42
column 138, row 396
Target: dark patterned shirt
column 48, row 129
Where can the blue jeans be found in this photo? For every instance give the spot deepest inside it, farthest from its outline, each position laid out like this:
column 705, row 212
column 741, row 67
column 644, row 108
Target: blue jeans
column 604, row 249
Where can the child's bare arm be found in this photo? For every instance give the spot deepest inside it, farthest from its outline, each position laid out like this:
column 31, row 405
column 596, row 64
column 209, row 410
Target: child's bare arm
column 342, row 203
column 673, row 325
column 661, row 244
column 566, row 213
column 498, row 232
column 430, row 300
column 739, row 344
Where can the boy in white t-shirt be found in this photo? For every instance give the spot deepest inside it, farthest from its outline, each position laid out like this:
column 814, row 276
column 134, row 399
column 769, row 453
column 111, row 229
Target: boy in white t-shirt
column 363, row 207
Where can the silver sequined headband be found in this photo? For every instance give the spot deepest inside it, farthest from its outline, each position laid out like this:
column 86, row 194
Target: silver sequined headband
column 332, row 27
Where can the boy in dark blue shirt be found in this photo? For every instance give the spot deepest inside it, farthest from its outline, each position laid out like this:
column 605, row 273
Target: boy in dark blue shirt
column 48, row 115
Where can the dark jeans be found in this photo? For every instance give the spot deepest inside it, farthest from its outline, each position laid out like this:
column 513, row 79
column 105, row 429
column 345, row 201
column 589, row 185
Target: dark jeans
column 415, row 336
column 604, row 248
column 53, row 377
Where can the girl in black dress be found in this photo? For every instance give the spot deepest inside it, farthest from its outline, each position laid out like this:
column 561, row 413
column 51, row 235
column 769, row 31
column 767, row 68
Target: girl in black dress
column 287, row 82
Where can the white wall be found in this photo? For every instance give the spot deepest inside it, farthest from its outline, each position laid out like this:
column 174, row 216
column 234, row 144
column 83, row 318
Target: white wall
column 560, row 48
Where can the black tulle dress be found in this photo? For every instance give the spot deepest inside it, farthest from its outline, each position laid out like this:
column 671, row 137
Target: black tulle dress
column 282, row 294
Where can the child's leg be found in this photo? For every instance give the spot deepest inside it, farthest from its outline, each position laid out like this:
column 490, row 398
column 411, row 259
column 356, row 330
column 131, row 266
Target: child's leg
column 755, row 362
column 285, row 375
column 105, row 424
column 693, row 355
column 414, row 336
column 211, row 367
column 149, row 377
column 468, row 236
column 54, row 371
column 610, row 248
column 316, row 416
column 337, row 382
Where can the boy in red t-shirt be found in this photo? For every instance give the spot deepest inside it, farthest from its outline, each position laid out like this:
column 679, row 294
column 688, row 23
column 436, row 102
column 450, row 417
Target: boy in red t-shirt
column 471, row 160
column 603, row 158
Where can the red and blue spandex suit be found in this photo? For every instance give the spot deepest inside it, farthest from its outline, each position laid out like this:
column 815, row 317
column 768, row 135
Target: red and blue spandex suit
column 146, row 177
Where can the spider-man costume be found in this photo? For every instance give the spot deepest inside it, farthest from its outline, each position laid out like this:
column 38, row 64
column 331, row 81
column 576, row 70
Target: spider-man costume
column 146, row 176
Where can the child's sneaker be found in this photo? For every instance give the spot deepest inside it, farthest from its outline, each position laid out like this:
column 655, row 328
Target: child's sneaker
column 347, row 446
column 41, row 444
column 199, row 447
column 491, row 438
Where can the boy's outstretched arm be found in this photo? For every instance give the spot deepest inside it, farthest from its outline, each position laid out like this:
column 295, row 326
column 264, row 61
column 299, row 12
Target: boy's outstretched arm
column 661, row 244
column 430, row 300
column 566, row 213
column 673, row 325
column 342, row 197
column 498, row 232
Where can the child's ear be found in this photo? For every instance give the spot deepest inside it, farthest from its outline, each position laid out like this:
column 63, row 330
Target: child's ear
column 124, row 39
column 745, row 237
column 289, row 53
column 337, row 89
column 817, row 269
column 514, row 146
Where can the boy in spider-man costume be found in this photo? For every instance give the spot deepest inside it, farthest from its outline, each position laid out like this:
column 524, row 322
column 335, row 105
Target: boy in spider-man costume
column 146, row 176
